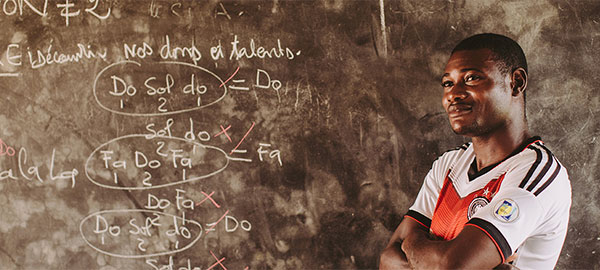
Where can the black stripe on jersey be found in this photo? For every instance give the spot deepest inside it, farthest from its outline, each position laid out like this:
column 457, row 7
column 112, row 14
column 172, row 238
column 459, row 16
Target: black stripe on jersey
column 543, row 171
column 545, row 148
column 495, row 234
column 538, row 159
column 549, row 181
column 474, row 173
column 464, row 146
column 420, row 218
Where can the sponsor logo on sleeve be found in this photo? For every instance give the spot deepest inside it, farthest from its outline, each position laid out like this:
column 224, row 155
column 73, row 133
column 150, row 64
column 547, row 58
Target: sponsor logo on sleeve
column 506, row 210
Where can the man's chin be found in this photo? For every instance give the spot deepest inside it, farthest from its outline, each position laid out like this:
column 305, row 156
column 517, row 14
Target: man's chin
column 468, row 131
column 461, row 133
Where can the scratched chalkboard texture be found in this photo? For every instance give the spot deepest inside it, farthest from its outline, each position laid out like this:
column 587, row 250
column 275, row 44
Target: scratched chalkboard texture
column 259, row 134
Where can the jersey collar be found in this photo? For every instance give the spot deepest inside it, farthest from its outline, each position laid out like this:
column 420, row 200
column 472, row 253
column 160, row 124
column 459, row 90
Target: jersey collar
column 473, row 176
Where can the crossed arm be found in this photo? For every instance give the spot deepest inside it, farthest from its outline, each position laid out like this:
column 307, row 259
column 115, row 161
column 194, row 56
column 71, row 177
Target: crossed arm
column 411, row 246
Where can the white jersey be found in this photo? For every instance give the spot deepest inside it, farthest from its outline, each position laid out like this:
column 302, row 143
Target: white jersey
column 521, row 203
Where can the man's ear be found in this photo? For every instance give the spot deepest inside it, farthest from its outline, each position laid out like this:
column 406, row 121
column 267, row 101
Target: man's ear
column 518, row 81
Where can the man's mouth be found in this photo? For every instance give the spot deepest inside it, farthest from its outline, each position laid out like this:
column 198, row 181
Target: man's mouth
column 460, row 109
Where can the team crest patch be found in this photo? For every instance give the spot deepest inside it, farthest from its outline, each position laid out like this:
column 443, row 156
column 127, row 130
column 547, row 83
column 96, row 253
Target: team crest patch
column 475, row 205
column 507, row 210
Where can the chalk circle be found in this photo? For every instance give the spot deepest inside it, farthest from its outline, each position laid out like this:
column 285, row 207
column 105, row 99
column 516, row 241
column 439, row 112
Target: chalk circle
column 143, row 136
column 137, row 256
column 220, row 82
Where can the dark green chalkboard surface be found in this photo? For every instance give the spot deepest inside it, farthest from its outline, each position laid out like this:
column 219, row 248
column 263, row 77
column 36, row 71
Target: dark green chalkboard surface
column 258, row 134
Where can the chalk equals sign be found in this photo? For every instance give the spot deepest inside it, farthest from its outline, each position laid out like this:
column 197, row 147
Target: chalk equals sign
column 10, row 74
column 241, row 88
column 233, row 87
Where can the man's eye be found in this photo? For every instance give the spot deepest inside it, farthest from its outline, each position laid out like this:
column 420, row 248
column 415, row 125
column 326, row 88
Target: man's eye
column 472, row 78
column 447, row 84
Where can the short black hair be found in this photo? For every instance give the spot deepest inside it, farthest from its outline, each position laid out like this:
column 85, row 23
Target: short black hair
column 507, row 52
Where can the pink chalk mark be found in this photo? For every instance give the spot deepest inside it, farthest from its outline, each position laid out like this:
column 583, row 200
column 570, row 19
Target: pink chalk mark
column 5, row 149
column 231, row 77
column 208, row 197
column 224, row 131
column 218, row 262
column 215, row 225
column 238, row 145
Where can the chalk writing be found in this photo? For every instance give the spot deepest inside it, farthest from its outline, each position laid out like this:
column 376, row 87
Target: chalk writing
column 178, row 161
column 135, row 50
column 272, row 154
column 13, row 55
column 209, row 197
column 93, row 12
column 100, row 231
column 224, row 132
column 230, row 223
column 67, row 8
column 214, row 224
column 153, row 263
column 50, row 56
column 160, row 76
column 33, row 172
column 65, row 11
column 219, row 261
column 198, row 88
column 168, row 51
column 5, row 74
column 180, row 157
column 230, row 77
column 245, row 135
column 5, row 149
column 182, row 202
column 153, row 9
column 223, row 11
column 11, row 7
column 238, row 52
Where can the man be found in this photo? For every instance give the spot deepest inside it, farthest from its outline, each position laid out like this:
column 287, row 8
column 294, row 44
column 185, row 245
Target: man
column 501, row 200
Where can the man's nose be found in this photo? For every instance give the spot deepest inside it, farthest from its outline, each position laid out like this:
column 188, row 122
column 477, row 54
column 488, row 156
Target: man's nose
column 456, row 92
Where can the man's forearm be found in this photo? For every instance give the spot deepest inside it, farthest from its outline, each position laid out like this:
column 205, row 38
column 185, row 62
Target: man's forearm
column 422, row 252
column 470, row 249
column 393, row 258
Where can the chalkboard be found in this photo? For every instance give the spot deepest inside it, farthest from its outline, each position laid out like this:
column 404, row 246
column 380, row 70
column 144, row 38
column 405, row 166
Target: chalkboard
column 258, row 134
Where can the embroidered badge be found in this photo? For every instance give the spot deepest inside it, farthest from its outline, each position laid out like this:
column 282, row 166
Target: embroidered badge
column 475, row 205
column 507, row 210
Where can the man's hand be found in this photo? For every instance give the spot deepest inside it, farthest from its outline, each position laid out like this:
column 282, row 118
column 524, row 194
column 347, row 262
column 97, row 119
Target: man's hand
column 414, row 254
column 392, row 256
column 507, row 266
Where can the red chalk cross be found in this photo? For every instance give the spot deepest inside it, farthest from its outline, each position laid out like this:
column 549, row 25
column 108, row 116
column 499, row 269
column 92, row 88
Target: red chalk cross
column 208, row 197
column 224, row 131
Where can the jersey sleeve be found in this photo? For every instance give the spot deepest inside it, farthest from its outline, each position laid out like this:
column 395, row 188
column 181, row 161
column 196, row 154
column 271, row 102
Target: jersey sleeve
column 424, row 205
column 516, row 212
column 511, row 217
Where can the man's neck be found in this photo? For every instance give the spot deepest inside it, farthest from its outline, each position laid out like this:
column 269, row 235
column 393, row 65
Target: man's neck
column 496, row 147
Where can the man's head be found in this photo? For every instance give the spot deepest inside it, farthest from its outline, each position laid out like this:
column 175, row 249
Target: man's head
column 484, row 85
column 507, row 53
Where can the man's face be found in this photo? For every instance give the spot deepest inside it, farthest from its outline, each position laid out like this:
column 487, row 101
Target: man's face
column 477, row 97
